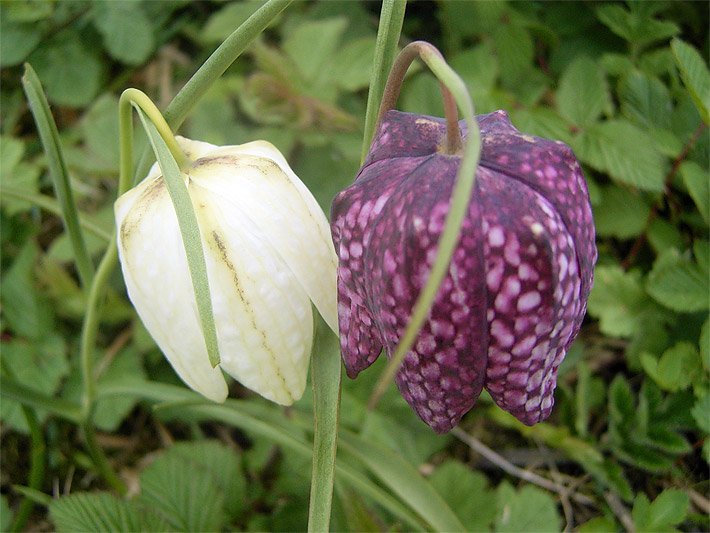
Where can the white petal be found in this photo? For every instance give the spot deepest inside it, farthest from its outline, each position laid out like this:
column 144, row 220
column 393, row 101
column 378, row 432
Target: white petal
column 156, row 274
column 263, row 316
column 256, row 178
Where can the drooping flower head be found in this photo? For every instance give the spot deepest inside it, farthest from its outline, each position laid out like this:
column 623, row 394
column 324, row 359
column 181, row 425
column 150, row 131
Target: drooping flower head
column 268, row 255
column 516, row 290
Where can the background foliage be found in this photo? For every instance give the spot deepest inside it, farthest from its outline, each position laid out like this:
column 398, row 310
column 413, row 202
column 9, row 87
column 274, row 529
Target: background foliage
column 626, row 85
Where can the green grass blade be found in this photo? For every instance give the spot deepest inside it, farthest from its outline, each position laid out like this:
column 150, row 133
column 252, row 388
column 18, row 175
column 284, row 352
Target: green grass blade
column 190, row 231
column 326, row 375
column 404, row 480
column 50, row 205
column 49, row 136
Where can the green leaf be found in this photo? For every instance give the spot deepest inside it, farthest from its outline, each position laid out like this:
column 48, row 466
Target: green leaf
column 39, row 366
column 678, row 283
column 514, row 48
column 70, row 71
column 26, row 311
column 621, row 402
column 624, row 151
column 467, row 493
column 645, row 100
column 478, row 67
column 695, row 75
column 17, row 39
column 705, row 345
column 190, row 232
column 5, row 514
column 696, row 180
column 222, row 23
column 541, row 121
column 183, row 492
column 583, row 94
column 662, row 235
column 619, row 301
column 352, row 67
column 404, row 480
column 600, row 524
column 701, row 412
column 17, row 174
column 310, row 59
column 635, row 26
column 100, row 131
column 126, row 30
column 667, row 510
column 101, row 511
column 621, row 213
column 529, row 509
column 223, row 464
column 677, row 367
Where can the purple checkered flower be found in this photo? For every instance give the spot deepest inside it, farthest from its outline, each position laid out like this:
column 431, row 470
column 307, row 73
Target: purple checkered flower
column 516, row 291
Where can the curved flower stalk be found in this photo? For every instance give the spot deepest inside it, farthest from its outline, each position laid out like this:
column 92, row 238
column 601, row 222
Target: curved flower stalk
column 516, row 290
column 268, row 256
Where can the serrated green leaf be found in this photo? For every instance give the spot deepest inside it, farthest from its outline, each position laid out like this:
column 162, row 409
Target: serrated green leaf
column 310, row 59
column 667, row 440
column 529, row 509
column 619, row 301
column 668, row 509
column 620, row 213
column 621, row 402
column 514, row 49
column 101, row 511
column 677, row 367
column 26, row 310
column 698, row 184
column 541, row 121
column 622, row 150
column 183, row 493
column 678, row 283
column 352, row 67
column 69, row 70
column 662, row 235
column 477, row 67
column 600, row 524
column 645, row 100
column 583, row 94
column 223, row 464
column 695, row 75
column 636, row 26
column 126, row 30
column 457, row 483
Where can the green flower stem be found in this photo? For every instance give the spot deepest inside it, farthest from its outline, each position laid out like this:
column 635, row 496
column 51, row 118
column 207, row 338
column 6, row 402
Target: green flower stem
column 326, row 379
column 134, row 98
column 460, row 197
column 388, row 32
column 50, row 205
column 49, row 135
column 220, row 60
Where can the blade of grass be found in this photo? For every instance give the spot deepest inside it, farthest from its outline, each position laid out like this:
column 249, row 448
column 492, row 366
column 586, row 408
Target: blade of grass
column 326, row 376
column 50, row 205
column 190, row 231
column 49, row 136
column 12, row 390
column 404, row 480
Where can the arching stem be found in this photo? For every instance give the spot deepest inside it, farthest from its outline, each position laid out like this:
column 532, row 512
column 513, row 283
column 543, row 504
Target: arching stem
column 427, row 52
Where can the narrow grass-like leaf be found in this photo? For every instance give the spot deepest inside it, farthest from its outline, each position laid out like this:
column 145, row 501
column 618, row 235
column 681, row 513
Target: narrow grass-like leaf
column 404, row 480
column 12, row 390
column 50, row 205
column 388, row 32
column 187, row 220
column 326, row 378
column 49, row 136
column 695, row 75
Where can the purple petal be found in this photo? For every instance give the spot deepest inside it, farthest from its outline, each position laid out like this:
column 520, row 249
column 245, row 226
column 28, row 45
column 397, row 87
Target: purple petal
column 533, row 288
column 443, row 374
column 352, row 215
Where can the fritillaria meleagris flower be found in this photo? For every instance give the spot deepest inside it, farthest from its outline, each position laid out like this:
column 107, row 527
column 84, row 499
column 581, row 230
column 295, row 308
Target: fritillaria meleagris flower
column 516, row 290
column 268, row 253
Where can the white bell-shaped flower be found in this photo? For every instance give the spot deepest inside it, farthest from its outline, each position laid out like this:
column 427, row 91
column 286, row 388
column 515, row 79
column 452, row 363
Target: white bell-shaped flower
column 269, row 255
